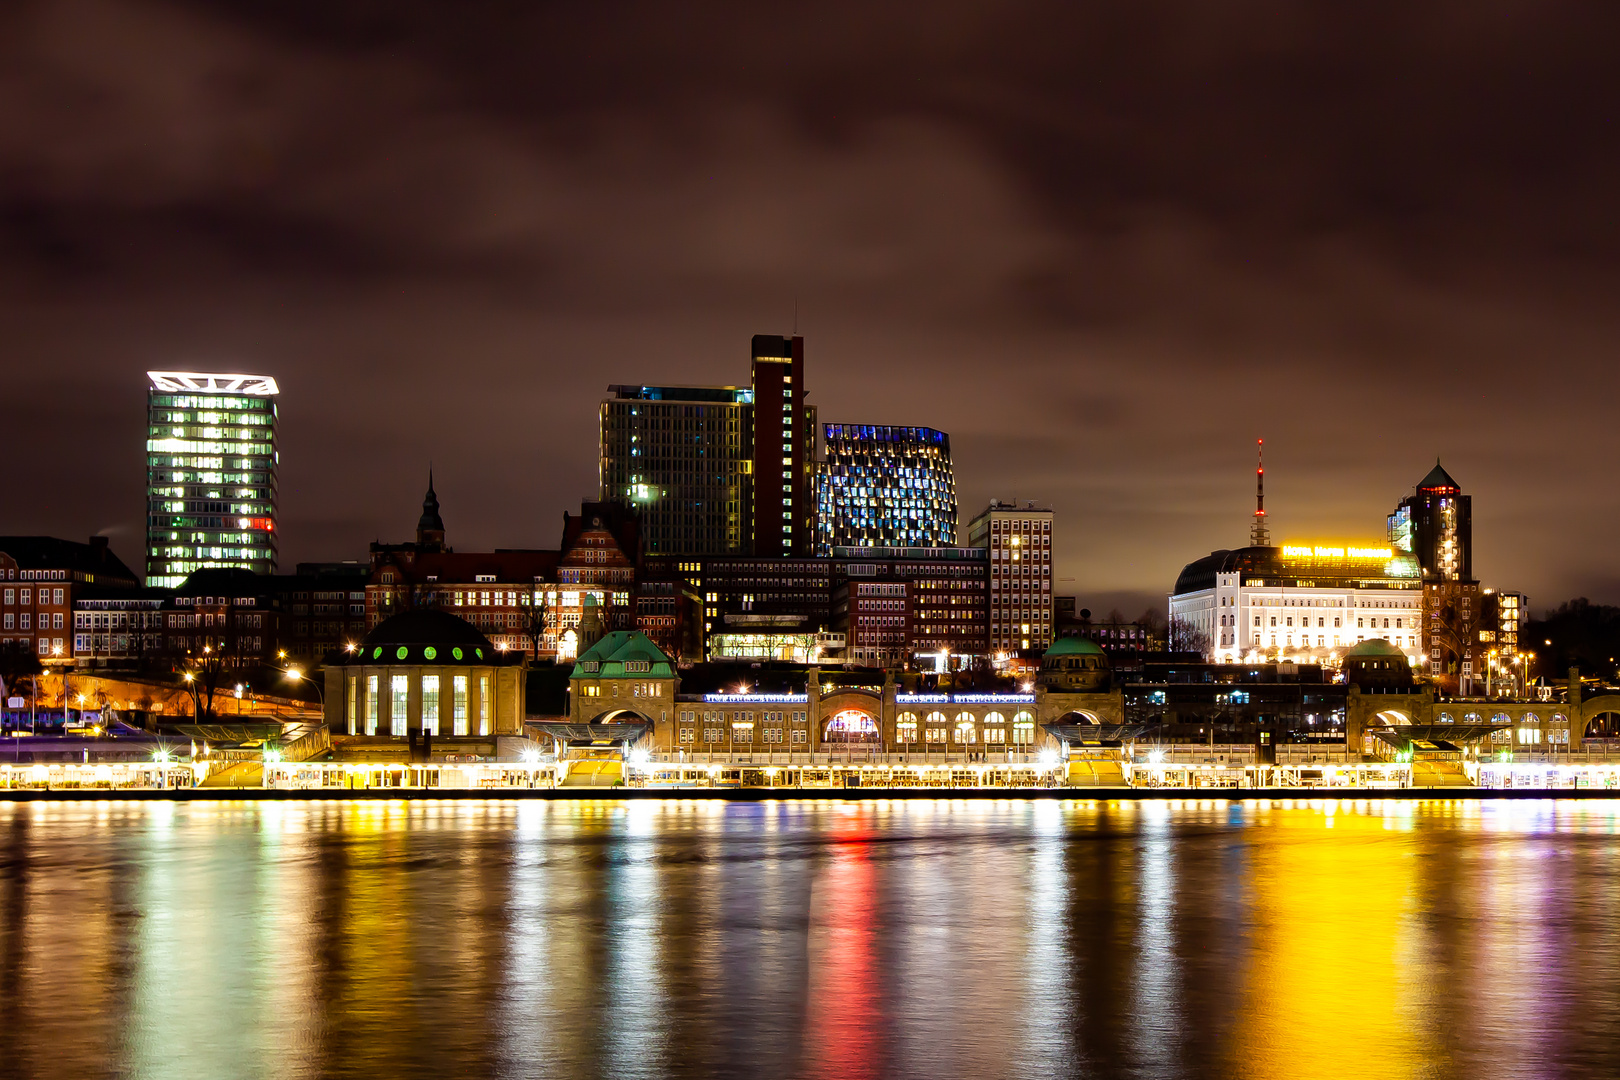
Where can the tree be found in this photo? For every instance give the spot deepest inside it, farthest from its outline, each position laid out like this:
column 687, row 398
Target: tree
column 203, row 671
column 535, row 618
column 1577, row 633
column 1185, row 637
column 1454, row 616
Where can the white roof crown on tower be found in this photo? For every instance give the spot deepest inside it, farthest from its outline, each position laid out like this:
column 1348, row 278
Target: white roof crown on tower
column 197, row 382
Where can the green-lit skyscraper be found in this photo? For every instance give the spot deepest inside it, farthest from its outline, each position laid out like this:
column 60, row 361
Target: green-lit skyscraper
column 210, row 474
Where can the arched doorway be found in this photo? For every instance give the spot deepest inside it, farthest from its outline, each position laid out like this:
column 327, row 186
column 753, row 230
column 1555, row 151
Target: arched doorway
column 1603, row 725
column 852, row 728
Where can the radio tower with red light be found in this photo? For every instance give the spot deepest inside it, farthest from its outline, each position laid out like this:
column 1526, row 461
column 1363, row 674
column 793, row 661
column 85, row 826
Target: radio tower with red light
column 1258, row 536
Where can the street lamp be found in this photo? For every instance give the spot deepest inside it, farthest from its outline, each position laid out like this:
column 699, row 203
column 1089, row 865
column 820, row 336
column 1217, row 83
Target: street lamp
column 297, row 675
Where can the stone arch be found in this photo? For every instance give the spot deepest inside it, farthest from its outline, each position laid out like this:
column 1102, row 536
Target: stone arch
column 1394, row 717
column 620, row 714
column 1604, row 705
column 852, row 727
column 1601, row 725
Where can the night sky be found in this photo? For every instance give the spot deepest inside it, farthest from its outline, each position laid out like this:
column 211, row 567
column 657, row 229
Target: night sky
column 1105, row 247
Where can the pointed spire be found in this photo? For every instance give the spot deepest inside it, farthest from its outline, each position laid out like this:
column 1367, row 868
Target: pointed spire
column 430, row 527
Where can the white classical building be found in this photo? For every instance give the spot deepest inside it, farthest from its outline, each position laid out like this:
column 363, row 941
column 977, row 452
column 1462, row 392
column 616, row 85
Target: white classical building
column 1301, row 602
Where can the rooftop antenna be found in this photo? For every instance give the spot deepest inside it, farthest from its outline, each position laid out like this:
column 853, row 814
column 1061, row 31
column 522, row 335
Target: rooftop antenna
column 1258, row 536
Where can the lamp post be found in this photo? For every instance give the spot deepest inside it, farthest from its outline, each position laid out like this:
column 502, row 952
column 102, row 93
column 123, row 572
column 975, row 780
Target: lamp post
column 320, row 693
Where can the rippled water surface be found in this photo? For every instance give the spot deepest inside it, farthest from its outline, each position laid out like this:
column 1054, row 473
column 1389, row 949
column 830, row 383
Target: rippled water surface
column 925, row 939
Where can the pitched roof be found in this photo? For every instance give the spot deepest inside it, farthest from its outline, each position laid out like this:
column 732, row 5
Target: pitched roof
column 608, row 657
column 50, row 553
column 1438, row 478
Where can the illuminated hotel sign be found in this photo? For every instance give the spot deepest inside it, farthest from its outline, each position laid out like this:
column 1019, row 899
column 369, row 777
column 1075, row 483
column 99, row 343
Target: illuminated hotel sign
column 1332, row 551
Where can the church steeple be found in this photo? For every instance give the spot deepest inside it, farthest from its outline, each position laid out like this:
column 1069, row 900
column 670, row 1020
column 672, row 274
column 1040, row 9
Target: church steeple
column 430, row 528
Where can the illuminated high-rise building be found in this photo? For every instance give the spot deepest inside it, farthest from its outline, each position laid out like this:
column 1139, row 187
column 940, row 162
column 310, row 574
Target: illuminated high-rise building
column 210, row 474
column 716, row 470
column 1019, row 539
column 889, row 487
column 1435, row 524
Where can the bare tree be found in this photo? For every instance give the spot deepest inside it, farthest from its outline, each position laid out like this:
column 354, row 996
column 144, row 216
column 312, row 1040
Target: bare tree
column 536, row 617
column 203, row 671
column 1455, row 616
column 1183, row 636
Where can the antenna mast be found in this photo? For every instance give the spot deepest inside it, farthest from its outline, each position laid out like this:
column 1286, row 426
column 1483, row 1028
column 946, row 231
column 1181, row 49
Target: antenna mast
column 1258, row 536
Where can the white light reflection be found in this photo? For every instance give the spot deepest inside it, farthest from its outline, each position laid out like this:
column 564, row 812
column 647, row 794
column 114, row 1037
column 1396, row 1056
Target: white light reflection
column 1050, row 1016
column 1156, row 1001
column 634, row 1039
column 527, row 1009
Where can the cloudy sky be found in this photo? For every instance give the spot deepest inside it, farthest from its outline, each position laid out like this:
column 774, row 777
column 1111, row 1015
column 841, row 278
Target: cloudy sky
column 1105, row 246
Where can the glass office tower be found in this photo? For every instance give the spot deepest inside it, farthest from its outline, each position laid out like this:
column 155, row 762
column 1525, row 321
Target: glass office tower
column 883, row 486
column 210, row 474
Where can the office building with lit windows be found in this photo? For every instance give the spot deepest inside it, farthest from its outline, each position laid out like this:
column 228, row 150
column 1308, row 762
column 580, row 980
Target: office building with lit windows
column 210, row 474
column 883, row 486
column 1018, row 538
column 716, row 470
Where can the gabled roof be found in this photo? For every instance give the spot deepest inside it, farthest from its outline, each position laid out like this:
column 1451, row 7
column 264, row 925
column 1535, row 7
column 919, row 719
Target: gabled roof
column 608, row 657
column 50, row 553
column 1437, row 478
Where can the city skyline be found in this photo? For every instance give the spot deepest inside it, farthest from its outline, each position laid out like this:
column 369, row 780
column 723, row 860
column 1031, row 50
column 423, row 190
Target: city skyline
column 303, row 549
column 1103, row 301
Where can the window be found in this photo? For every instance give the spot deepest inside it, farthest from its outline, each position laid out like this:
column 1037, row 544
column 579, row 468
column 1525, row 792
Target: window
column 995, row 735
column 354, row 682
column 371, row 704
column 458, row 704
column 935, row 734
column 801, row 736
column 688, row 735
column 430, row 704
column 483, row 704
column 398, row 698
column 713, row 735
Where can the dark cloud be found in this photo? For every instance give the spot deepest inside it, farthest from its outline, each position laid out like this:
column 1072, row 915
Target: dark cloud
column 1105, row 246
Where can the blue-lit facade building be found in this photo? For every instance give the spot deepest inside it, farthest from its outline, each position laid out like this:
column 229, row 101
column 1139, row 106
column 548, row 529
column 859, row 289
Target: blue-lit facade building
column 210, row 474
column 880, row 486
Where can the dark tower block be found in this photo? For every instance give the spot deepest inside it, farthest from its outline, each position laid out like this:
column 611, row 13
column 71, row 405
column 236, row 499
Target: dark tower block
column 783, row 518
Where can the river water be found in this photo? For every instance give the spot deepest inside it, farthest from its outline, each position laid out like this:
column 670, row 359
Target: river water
column 932, row 939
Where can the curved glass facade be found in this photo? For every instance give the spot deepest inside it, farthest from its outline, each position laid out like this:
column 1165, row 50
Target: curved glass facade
column 883, row 486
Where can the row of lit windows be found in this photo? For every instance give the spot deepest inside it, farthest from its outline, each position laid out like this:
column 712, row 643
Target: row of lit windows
column 372, row 708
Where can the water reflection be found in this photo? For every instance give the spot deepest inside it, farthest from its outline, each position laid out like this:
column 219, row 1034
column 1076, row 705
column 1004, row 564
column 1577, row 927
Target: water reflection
column 885, row 938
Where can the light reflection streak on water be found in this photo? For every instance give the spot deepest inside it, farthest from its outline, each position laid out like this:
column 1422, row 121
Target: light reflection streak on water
column 844, row 1023
column 1048, row 961
column 634, row 1040
column 526, row 1024
column 1155, row 1003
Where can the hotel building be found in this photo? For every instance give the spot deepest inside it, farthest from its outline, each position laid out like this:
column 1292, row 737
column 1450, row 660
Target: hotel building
column 881, row 486
column 210, row 474
column 1301, row 602
column 1019, row 541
